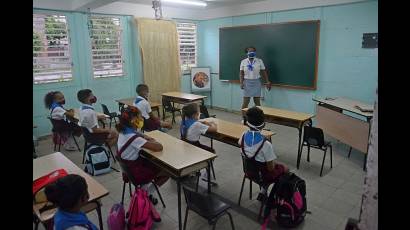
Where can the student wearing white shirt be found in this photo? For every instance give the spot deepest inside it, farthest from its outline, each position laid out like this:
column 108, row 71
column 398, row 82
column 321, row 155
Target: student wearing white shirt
column 89, row 118
column 130, row 145
column 150, row 121
column 251, row 69
column 64, row 119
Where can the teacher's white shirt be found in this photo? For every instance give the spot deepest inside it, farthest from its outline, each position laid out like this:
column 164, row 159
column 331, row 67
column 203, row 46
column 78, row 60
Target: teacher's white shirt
column 257, row 67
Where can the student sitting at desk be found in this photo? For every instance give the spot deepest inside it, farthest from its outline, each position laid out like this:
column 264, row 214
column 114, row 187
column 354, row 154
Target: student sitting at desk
column 89, row 118
column 192, row 129
column 69, row 194
column 130, row 144
column 54, row 101
column 150, row 121
column 255, row 147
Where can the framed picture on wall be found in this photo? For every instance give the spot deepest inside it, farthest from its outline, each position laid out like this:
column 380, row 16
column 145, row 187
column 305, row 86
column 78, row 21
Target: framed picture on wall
column 200, row 79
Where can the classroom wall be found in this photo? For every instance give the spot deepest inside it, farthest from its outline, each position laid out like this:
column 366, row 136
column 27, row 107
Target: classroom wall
column 107, row 89
column 344, row 68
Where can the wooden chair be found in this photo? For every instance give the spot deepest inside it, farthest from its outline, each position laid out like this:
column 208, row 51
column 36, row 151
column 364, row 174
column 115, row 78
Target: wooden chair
column 314, row 137
column 206, row 206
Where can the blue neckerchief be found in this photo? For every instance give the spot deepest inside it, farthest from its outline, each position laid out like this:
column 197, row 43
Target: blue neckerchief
column 64, row 220
column 250, row 64
column 53, row 106
column 252, row 138
column 186, row 123
column 137, row 100
column 83, row 107
column 128, row 130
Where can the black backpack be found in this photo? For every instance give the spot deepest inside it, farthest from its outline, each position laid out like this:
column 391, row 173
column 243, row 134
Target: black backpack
column 288, row 197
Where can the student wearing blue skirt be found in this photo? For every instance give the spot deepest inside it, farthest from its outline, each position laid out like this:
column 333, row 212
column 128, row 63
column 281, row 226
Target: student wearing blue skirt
column 251, row 70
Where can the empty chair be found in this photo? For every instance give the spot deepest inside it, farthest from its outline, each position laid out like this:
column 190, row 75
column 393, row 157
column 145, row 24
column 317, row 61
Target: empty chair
column 168, row 107
column 111, row 115
column 207, row 206
column 61, row 129
column 129, row 178
column 314, row 137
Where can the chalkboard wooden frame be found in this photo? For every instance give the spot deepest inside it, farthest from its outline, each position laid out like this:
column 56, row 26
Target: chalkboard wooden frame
column 314, row 87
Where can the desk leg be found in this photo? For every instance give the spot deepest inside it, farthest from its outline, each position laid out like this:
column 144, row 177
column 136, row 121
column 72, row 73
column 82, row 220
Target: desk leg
column 203, row 102
column 179, row 203
column 159, row 115
column 212, row 143
column 208, row 170
column 99, row 215
column 365, row 161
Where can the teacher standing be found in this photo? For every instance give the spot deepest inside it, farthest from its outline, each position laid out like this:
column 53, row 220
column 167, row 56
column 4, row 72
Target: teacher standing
column 251, row 70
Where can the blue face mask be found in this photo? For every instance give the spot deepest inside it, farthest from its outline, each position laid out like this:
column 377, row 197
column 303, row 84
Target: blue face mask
column 251, row 54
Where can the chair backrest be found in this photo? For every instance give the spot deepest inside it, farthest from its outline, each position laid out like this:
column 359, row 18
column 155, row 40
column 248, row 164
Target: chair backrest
column 105, row 109
column 313, row 136
column 253, row 169
column 94, row 138
column 196, row 199
column 204, row 111
column 167, row 104
column 58, row 125
column 126, row 170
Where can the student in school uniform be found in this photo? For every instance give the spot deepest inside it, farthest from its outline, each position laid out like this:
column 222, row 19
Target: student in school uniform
column 150, row 121
column 89, row 118
column 130, row 144
column 255, row 145
column 192, row 129
column 69, row 194
column 251, row 69
column 54, row 101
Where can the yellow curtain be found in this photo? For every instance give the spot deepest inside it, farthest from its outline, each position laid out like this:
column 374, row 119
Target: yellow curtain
column 158, row 41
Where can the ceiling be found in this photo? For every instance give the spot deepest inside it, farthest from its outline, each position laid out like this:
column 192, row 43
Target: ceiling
column 214, row 8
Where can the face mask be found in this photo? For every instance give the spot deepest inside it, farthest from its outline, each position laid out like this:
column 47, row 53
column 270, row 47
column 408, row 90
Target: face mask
column 93, row 100
column 251, row 54
column 62, row 102
column 138, row 123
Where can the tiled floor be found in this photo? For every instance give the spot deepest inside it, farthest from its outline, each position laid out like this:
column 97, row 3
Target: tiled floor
column 332, row 198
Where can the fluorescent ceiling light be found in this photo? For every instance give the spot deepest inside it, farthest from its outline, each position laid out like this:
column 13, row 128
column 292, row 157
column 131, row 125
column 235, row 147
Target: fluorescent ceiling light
column 195, row 3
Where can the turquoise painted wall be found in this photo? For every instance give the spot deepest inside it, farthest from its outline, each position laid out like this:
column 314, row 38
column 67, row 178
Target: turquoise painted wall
column 345, row 69
column 107, row 89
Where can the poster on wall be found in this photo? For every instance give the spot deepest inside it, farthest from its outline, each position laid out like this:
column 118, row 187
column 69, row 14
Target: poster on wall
column 200, row 79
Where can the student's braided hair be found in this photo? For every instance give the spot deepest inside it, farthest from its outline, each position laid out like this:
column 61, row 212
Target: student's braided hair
column 66, row 191
column 126, row 116
column 49, row 98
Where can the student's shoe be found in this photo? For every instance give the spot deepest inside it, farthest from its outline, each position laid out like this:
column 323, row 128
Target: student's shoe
column 262, row 197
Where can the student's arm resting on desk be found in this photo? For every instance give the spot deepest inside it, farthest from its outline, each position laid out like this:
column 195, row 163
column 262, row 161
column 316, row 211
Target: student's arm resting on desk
column 212, row 126
column 153, row 145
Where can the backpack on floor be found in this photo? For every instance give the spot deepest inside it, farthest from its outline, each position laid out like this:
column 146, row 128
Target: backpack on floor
column 288, row 197
column 116, row 217
column 97, row 160
column 141, row 213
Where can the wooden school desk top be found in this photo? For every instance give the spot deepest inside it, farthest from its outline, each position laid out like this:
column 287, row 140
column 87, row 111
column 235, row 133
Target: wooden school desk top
column 285, row 114
column 347, row 104
column 130, row 102
column 234, row 130
column 46, row 164
column 177, row 154
column 185, row 96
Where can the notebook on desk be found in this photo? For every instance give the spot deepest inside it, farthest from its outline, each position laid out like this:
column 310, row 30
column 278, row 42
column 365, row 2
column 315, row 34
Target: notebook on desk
column 364, row 108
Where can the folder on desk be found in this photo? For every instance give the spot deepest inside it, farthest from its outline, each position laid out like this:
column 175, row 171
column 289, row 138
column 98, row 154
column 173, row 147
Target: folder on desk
column 364, row 108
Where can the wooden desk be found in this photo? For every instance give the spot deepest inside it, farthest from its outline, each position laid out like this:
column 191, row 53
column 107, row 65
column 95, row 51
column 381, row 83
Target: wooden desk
column 230, row 133
column 179, row 98
column 51, row 162
column 130, row 102
column 179, row 159
column 288, row 118
column 348, row 129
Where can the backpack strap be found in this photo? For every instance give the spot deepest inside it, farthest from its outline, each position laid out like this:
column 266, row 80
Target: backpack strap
column 125, row 146
column 257, row 151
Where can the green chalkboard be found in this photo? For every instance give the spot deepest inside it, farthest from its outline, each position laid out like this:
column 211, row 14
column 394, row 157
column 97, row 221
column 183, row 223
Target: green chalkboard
column 289, row 50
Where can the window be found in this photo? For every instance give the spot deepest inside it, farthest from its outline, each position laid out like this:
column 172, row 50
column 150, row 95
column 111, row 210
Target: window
column 51, row 49
column 106, row 46
column 187, row 44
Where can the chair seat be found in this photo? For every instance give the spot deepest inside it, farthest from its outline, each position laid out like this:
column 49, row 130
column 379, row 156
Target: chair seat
column 209, row 207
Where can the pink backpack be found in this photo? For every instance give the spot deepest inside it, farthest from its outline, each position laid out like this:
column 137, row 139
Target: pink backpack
column 116, row 218
column 141, row 213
